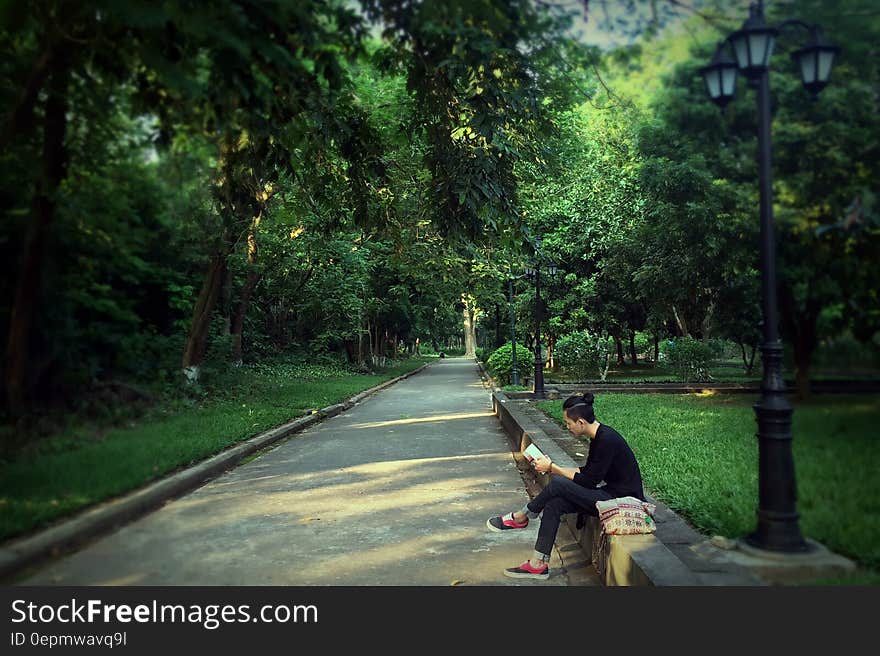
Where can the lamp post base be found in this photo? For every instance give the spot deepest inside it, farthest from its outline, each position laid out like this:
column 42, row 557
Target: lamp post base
column 538, row 388
column 775, row 567
column 783, row 541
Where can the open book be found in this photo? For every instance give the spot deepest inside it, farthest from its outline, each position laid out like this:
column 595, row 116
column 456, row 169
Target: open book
column 532, row 453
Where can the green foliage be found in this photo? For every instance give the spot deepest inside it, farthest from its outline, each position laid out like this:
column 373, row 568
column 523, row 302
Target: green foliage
column 643, row 342
column 689, row 359
column 500, row 363
column 722, row 349
column 584, row 354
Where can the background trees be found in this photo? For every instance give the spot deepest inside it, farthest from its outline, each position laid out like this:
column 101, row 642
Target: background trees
column 217, row 184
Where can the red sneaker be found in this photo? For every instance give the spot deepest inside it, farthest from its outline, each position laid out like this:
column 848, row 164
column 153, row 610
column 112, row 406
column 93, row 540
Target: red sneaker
column 526, row 571
column 505, row 523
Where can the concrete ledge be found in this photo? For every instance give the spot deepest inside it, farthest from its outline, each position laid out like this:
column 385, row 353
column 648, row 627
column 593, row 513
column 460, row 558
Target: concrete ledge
column 627, row 559
column 17, row 554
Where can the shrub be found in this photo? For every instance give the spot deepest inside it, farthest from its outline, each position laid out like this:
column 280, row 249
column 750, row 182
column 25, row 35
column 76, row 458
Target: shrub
column 584, row 354
column 481, row 354
column 500, row 363
column 688, row 358
column 723, row 349
column 643, row 343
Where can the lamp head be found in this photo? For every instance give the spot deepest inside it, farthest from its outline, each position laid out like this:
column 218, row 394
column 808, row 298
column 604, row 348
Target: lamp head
column 815, row 61
column 720, row 76
column 753, row 43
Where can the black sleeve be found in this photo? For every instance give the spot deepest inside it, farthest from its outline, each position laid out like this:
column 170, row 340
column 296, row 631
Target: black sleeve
column 594, row 470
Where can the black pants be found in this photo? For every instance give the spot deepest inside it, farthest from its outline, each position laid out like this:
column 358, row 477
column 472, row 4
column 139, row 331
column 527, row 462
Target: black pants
column 560, row 497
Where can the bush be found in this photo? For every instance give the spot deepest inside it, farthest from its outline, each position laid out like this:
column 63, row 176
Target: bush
column 481, row 354
column 723, row 349
column 500, row 363
column 643, row 343
column 584, row 354
column 844, row 352
column 688, row 358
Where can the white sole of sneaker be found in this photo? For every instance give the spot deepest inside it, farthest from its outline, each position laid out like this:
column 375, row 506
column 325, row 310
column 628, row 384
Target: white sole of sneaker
column 500, row 530
column 527, row 575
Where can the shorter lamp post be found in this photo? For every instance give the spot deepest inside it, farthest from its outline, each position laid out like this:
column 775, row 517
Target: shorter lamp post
column 515, row 373
column 753, row 45
column 534, row 273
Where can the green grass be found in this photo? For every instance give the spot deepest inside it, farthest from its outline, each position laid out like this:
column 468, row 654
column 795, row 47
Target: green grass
column 698, row 454
column 65, row 473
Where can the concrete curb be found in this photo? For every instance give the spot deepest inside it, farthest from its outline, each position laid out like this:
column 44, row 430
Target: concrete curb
column 20, row 553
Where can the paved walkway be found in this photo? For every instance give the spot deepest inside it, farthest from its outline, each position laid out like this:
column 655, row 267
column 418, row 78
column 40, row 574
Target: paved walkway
column 395, row 491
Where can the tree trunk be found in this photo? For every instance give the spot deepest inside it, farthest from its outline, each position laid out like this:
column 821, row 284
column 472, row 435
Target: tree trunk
column 632, row 347
column 707, row 321
column 19, row 119
column 656, row 348
column 225, row 302
column 470, row 329
column 253, row 277
column 748, row 361
column 804, row 345
column 619, row 344
column 801, row 324
column 197, row 341
column 28, row 287
column 680, row 323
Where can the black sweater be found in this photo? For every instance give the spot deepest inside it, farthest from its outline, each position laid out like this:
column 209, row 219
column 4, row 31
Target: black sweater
column 611, row 460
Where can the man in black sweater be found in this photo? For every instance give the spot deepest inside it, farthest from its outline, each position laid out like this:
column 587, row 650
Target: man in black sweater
column 571, row 490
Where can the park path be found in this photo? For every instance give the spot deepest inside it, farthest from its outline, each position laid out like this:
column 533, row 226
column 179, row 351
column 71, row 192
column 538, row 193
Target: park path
column 394, row 491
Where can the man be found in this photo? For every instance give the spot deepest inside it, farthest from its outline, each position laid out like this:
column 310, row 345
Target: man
column 611, row 471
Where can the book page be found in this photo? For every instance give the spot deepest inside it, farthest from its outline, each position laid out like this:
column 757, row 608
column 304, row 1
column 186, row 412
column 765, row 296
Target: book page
column 532, row 453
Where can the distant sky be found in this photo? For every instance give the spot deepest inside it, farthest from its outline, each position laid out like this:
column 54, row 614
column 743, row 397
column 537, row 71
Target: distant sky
column 593, row 28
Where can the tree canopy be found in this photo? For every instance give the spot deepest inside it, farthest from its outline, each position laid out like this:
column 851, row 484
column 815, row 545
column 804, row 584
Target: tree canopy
column 200, row 184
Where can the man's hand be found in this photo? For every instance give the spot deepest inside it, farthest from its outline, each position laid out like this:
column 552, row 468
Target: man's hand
column 543, row 464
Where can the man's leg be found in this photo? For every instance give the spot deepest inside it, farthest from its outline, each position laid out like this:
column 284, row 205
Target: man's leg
column 554, row 509
column 564, row 488
column 534, row 507
column 561, row 496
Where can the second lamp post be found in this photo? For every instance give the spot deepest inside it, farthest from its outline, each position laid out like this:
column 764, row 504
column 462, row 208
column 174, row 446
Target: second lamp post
column 534, row 273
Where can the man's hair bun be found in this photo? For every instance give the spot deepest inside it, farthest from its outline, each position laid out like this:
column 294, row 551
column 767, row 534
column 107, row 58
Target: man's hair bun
column 580, row 406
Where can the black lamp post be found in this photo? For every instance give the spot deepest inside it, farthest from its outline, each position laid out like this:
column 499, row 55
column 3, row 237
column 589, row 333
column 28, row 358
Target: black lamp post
column 515, row 373
column 778, row 528
column 535, row 274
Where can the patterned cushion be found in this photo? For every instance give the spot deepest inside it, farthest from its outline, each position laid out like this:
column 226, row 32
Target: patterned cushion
column 626, row 516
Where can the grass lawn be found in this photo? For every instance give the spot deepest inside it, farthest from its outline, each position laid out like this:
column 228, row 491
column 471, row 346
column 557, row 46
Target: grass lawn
column 66, row 473
column 699, row 454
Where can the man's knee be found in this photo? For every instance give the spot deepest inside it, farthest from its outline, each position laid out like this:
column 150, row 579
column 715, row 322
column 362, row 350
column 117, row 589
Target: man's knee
column 556, row 483
column 555, row 507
